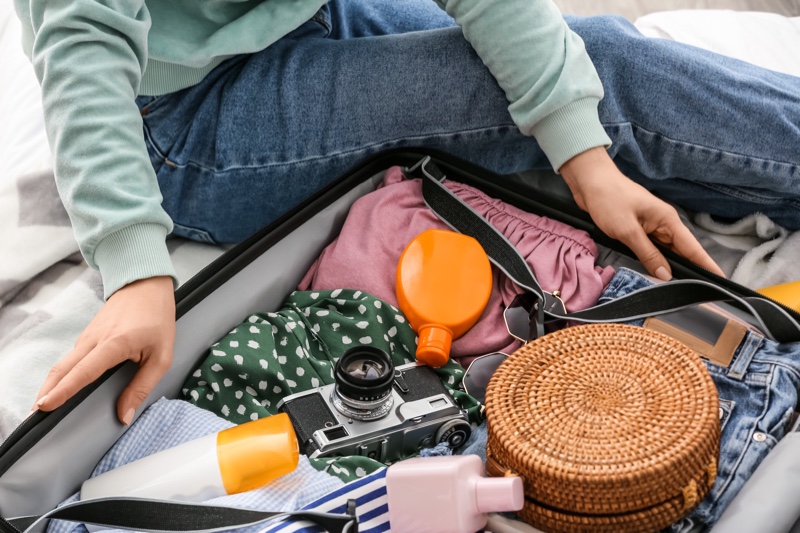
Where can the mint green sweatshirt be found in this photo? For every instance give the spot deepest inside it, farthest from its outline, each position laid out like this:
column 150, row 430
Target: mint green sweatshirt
column 93, row 57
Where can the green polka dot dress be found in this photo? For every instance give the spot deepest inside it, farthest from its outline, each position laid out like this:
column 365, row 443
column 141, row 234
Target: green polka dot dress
column 272, row 355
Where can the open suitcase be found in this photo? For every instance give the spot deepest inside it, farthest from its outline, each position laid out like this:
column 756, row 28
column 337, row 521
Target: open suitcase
column 51, row 454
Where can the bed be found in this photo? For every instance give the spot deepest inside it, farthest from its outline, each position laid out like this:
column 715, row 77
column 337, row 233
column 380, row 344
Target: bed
column 48, row 294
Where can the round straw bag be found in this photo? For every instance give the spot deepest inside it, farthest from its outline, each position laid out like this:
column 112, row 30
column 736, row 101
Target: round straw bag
column 612, row 428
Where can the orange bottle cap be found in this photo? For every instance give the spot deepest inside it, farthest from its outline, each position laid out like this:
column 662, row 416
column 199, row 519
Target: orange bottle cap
column 253, row 454
column 433, row 347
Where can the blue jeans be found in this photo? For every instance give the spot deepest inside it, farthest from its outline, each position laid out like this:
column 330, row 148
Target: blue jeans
column 264, row 131
column 758, row 393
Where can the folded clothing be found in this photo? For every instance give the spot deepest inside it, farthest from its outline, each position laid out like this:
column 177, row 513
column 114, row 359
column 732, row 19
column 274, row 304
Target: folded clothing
column 381, row 224
column 372, row 507
column 295, row 349
column 758, row 391
column 168, row 423
column 758, row 383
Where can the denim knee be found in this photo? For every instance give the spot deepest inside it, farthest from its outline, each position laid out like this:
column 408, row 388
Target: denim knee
column 603, row 33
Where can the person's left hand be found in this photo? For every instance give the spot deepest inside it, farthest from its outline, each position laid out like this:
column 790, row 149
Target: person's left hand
column 137, row 323
column 626, row 211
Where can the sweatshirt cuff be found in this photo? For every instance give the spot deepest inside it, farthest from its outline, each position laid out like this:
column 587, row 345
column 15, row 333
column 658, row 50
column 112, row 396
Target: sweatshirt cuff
column 133, row 253
column 570, row 130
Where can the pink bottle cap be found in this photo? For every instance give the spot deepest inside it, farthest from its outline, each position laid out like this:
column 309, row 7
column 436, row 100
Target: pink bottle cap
column 499, row 494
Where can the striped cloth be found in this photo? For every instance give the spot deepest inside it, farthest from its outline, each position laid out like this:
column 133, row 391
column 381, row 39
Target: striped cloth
column 371, row 507
column 166, row 424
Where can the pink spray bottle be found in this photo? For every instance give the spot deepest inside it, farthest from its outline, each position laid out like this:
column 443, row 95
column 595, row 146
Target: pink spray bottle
column 447, row 495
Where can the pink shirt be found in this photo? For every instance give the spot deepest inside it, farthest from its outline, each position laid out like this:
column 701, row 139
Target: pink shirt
column 382, row 223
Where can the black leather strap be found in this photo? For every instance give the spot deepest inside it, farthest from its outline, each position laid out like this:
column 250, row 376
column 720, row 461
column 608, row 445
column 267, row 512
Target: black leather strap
column 658, row 299
column 151, row 515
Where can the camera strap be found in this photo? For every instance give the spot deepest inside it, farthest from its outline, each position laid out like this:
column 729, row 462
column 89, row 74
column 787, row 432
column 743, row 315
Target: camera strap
column 657, row 299
column 157, row 515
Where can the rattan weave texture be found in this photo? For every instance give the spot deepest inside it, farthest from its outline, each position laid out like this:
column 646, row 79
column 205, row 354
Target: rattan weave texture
column 612, row 427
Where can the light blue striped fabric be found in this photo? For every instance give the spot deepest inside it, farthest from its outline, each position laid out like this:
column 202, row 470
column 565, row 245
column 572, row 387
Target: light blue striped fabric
column 168, row 423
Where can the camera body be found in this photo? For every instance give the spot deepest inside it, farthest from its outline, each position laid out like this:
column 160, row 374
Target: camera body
column 421, row 414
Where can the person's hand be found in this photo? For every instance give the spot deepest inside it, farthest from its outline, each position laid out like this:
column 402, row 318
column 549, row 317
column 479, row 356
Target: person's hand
column 137, row 323
column 630, row 213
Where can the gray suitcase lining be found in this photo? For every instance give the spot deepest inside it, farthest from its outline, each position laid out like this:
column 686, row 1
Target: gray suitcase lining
column 57, row 464
column 35, row 474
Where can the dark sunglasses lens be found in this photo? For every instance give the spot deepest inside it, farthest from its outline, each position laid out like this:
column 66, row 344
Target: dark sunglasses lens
column 518, row 316
column 518, row 323
column 480, row 372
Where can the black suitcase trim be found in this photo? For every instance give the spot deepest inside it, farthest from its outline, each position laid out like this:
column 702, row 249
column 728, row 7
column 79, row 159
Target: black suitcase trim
column 214, row 275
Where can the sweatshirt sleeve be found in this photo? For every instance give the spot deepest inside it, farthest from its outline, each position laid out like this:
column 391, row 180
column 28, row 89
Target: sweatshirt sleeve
column 89, row 56
column 549, row 80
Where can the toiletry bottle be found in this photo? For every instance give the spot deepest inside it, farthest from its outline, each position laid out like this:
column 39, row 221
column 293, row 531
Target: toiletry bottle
column 444, row 281
column 786, row 293
column 447, row 494
column 234, row 460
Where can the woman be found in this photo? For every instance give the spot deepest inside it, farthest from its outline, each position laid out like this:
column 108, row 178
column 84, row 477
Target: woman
column 235, row 110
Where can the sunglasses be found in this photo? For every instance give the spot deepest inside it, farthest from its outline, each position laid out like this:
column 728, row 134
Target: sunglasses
column 479, row 372
column 519, row 318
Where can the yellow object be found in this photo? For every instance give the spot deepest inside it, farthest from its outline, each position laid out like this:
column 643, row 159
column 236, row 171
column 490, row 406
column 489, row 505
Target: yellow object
column 444, row 280
column 787, row 293
column 253, row 454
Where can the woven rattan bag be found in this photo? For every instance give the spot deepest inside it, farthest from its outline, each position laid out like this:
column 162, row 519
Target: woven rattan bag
column 612, row 428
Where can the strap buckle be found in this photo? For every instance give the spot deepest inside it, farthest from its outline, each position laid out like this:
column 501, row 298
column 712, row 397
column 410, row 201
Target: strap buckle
column 525, row 315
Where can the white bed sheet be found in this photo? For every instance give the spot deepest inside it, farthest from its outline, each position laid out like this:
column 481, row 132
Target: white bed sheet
column 47, row 294
column 768, row 40
column 23, row 143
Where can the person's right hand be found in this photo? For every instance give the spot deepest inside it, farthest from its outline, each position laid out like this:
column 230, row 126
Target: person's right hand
column 626, row 211
column 137, row 323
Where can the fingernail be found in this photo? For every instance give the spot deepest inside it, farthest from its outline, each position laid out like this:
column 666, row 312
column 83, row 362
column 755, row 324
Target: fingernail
column 41, row 401
column 663, row 274
column 128, row 418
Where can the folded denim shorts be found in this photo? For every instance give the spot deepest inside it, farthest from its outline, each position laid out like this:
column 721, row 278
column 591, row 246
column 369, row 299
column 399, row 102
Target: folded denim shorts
column 758, row 394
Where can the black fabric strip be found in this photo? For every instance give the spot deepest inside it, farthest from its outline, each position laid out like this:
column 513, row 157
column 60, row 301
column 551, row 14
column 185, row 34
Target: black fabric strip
column 148, row 515
column 658, row 299
column 15, row 526
column 463, row 219
column 784, row 328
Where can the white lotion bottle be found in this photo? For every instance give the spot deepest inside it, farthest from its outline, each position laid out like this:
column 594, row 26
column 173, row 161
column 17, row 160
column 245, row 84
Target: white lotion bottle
column 234, row 460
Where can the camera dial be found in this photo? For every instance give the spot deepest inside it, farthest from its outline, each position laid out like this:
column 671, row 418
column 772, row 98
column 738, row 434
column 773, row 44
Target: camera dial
column 454, row 433
column 364, row 377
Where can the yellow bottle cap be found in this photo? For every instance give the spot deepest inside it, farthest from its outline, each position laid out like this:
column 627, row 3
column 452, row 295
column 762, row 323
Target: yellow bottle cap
column 253, row 454
column 786, row 293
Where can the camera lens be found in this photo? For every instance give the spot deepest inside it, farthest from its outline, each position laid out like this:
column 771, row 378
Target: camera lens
column 365, row 369
column 364, row 377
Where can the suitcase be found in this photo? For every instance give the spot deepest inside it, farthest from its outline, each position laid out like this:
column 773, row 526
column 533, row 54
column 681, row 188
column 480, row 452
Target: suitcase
column 50, row 454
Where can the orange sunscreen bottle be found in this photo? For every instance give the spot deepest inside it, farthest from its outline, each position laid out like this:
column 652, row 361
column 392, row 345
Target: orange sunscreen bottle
column 786, row 293
column 234, row 460
column 444, row 280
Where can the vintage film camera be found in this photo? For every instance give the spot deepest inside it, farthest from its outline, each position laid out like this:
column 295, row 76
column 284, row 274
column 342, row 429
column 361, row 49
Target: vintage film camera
column 376, row 410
